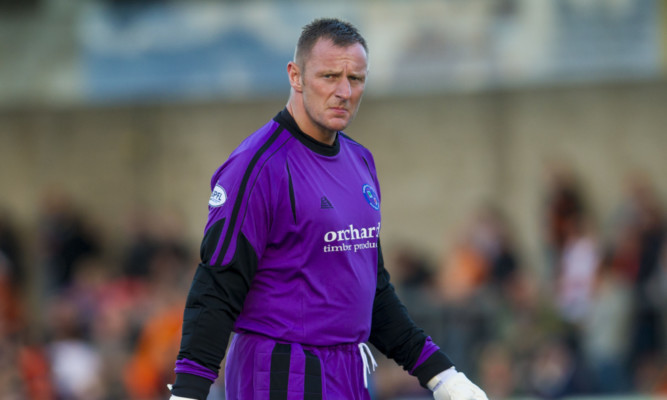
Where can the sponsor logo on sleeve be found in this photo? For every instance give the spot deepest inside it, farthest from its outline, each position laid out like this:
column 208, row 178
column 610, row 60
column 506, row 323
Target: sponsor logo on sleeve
column 218, row 197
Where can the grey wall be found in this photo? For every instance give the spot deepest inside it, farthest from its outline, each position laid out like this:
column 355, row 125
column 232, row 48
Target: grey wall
column 439, row 158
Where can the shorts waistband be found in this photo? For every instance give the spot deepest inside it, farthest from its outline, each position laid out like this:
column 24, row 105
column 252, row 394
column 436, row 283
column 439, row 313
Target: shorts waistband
column 346, row 347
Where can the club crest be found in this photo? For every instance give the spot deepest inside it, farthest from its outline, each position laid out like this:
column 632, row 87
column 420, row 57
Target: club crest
column 371, row 197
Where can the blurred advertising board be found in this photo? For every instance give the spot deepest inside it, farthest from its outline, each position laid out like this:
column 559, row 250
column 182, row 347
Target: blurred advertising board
column 182, row 50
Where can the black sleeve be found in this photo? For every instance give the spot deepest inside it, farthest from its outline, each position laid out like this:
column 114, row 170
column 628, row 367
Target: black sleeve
column 395, row 334
column 214, row 302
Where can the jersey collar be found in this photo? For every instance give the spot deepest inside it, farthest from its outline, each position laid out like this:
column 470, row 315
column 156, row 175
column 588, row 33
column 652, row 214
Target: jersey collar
column 285, row 119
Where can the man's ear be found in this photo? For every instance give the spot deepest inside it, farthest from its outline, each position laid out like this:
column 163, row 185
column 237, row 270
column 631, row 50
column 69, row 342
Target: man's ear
column 294, row 75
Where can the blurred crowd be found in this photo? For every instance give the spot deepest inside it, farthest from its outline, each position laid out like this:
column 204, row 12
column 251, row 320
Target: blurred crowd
column 107, row 320
column 593, row 323
column 97, row 318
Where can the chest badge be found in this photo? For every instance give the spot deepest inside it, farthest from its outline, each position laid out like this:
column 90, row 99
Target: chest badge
column 371, row 197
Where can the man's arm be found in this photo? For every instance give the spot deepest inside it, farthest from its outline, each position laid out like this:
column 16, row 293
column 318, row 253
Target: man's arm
column 395, row 334
column 214, row 302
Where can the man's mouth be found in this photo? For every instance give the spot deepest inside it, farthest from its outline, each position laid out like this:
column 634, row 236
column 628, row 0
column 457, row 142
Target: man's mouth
column 339, row 110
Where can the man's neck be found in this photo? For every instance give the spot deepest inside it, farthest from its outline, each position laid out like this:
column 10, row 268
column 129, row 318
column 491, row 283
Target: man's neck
column 308, row 127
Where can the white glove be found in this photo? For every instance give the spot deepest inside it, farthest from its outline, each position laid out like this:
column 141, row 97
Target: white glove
column 453, row 385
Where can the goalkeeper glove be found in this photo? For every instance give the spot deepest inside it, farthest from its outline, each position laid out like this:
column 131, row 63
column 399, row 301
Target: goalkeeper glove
column 453, row 385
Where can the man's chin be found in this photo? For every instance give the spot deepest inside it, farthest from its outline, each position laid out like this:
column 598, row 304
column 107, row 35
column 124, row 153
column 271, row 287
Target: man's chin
column 338, row 124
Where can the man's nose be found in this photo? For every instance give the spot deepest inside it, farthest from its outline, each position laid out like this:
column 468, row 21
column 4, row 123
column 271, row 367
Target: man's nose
column 344, row 89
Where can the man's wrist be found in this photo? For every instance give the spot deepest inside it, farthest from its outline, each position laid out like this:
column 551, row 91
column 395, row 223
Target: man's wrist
column 441, row 378
column 436, row 363
column 191, row 386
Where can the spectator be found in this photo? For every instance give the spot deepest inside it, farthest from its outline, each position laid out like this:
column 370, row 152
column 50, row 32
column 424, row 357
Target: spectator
column 151, row 367
column 483, row 256
column 578, row 264
column 65, row 237
column 605, row 331
column 76, row 364
column 11, row 251
column 141, row 244
column 564, row 204
column 638, row 257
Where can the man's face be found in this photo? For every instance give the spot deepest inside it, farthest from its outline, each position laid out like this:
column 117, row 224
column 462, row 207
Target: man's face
column 332, row 85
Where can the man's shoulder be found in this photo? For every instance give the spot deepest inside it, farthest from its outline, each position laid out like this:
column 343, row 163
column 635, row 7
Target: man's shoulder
column 258, row 149
column 353, row 144
column 260, row 138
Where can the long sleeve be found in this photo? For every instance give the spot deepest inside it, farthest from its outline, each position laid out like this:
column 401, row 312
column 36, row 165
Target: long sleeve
column 214, row 302
column 395, row 334
column 234, row 239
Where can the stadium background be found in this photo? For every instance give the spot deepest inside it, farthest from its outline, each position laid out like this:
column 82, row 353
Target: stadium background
column 520, row 147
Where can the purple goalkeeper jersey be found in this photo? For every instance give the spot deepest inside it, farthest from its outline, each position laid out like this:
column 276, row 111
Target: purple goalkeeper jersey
column 311, row 213
column 291, row 251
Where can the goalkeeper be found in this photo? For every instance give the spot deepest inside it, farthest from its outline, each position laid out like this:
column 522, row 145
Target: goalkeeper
column 291, row 256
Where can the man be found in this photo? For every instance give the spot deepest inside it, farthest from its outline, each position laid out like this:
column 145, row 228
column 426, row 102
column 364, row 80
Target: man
column 291, row 260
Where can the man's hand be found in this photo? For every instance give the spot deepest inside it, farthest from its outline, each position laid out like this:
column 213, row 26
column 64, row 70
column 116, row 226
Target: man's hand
column 453, row 385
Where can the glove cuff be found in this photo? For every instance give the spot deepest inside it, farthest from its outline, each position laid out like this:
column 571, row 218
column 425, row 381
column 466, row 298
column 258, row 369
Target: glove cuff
column 441, row 378
column 191, row 386
column 436, row 363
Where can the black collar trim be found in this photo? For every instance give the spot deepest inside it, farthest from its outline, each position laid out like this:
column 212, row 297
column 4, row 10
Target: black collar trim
column 285, row 119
